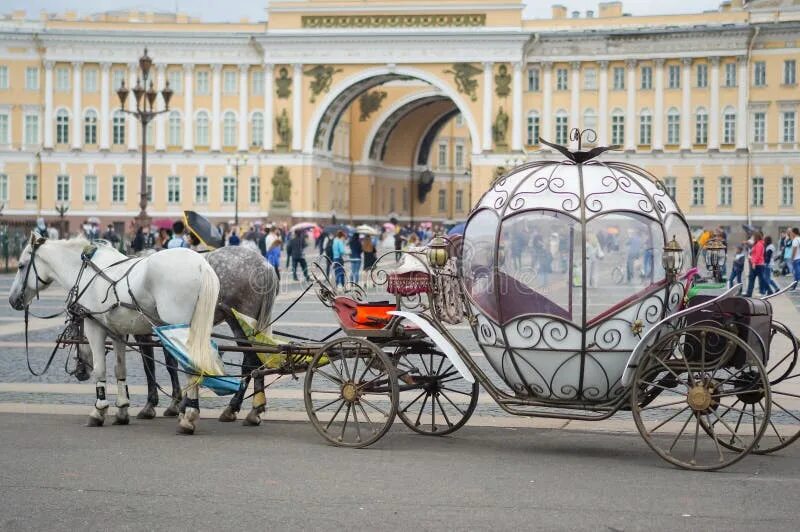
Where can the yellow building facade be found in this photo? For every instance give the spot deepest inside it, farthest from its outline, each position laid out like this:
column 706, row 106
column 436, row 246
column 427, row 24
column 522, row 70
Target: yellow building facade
column 388, row 108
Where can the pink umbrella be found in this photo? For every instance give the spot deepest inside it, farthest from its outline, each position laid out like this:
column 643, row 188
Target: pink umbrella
column 389, row 226
column 163, row 223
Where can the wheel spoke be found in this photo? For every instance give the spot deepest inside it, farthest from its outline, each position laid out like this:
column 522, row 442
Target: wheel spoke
column 372, row 428
column 662, row 405
column 329, row 377
column 733, row 432
column 344, row 425
column 366, row 368
column 678, row 435
column 368, row 403
column 670, row 418
column 446, row 419
column 326, row 391
column 714, row 437
column 358, row 427
column 672, row 372
column 785, row 393
column 665, row 388
column 738, row 392
column 424, row 402
column 452, row 403
column 468, row 394
column 696, row 435
column 334, row 417
column 327, row 404
column 775, row 403
column 414, row 401
column 332, row 364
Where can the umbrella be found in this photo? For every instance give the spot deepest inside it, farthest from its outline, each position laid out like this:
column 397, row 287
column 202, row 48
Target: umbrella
column 163, row 223
column 366, row 230
column 203, row 229
column 333, row 229
column 302, row 226
column 426, row 225
column 389, row 226
column 457, row 229
column 93, row 220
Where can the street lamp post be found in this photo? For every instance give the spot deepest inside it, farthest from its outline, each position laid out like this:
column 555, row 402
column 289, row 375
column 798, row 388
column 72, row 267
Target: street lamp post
column 145, row 100
column 236, row 163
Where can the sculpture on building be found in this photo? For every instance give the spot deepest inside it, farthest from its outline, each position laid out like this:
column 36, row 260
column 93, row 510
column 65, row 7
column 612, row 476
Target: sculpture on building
column 323, row 75
column 284, row 129
column 283, row 83
column 281, row 186
column 463, row 74
column 499, row 128
column 369, row 102
column 502, row 82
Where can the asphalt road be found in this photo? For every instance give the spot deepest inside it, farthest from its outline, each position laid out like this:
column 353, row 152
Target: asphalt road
column 56, row 474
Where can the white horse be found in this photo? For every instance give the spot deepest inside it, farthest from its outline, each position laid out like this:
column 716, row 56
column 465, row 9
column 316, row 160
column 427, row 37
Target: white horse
column 119, row 294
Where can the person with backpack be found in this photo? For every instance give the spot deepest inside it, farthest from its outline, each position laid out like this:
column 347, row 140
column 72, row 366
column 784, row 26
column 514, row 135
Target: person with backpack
column 178, row 239
column 370, row 254
column 274, row 256
column 757, row 266
column 296, row 249
column 769, row 255
column 737, row 268
column 355, row 257
column 339, row 249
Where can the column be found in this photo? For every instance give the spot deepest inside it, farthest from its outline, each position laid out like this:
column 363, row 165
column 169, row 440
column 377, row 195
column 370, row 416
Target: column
column 105, row 90
column 713, row 111
column 297, row 107
column 602, row 118
column 133, row 137
column 77, row 113
column 547, row 102
column 48, row 105
column 269, row 95
column 630, row 110
column 516, row 111
column 741, row 106
column 488, row 104
column 188, row 107
column 686, row 112
column 658, row 111
column 216, row 107
column 243, row 107
column 574, row 96
column 161, row 144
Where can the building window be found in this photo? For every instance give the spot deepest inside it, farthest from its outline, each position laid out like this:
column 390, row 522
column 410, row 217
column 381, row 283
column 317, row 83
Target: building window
column 590, row 79
column 561, row 79
column 257, row 83
column 391, row 201
column 175, row 80
column 90, row 127
column 590, row 119
column 729, row 126
column 201, row 129
column 62, row 127
column 673, row 126
column 459, row 200
column 561, row 128
column 62, row 188
column 31, row 130
column 459, row 120
column 725, row 191
column 62, row 79
column 118, row 128
column 442, row 200
column 90, row 80
column 619, row 78
column 117, row 77
column 201, row 189
column 31, row 187
column 229, row 82
column 3, row 77
column 789, row 121
column 90, row 189
column 229, row 129
column 698, row 192
column 647, row 78
column 702, row 76
column 118, row 189
column 174, row 136
column 758, row 192
column 533, row 128
column 3, row 187
column 148, row 187
column 32, row 78
column 671, row 187
column 441, row 160
column 787, row 191
column 674, row 78
column 645, row 127
column 257, row 129
column 228, row 189
column 173, row 189
column 255, row 190
column 617, row 127
column 730, row 74
column 760, row 74
column 760, row 127
column 459, row 156
column 701, row 127
column 789, row 72
column 202, row 82
column 4, row 129
column 533, row 80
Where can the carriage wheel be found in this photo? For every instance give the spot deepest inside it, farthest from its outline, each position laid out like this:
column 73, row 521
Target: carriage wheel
column 435, row 399
column 351, row 392
column 784, row 378
column 704, row 374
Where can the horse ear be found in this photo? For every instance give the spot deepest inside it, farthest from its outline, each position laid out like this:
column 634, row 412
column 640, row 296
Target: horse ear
column 34, row 236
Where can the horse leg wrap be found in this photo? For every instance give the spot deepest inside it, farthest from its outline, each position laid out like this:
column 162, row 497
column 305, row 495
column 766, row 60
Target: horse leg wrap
column 192, row 409
column 123, row 399
column 101, row 403
column 260, row 401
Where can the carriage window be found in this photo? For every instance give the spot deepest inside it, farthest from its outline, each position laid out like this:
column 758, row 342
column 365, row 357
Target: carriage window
column 478, row 261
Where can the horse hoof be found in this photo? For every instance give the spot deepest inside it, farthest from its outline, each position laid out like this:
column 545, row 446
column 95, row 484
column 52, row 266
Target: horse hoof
column 227, row 415
column 148, row 412
column 252, row 419
column 185, row 427
column 121, row 420
column 94, row 422
column 171, row 411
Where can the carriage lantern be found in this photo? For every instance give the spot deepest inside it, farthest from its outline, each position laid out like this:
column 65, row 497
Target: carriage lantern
column 672, row 260
column 437, row 252
column 715, row 257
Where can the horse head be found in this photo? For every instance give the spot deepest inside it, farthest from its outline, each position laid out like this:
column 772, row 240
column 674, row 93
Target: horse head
column 32, row 276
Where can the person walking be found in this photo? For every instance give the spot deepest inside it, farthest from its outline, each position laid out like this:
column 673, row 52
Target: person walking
column 178, row 240
column 296, row 249
column 274, row 256
column 795, row 254
column 757, row 266
column 339, row 250
column 769, row 256
column 355, row 257
column 737, row 268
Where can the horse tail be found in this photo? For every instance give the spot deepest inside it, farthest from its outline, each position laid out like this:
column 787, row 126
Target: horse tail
column 198, row 345
column 271, row 286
